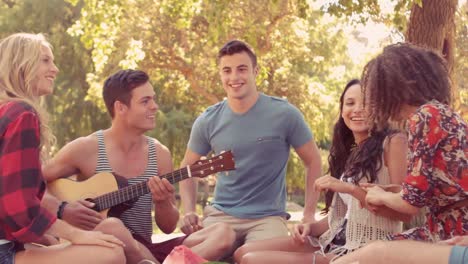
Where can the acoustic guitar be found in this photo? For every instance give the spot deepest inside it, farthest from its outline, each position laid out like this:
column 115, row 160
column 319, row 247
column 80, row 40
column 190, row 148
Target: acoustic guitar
column 103, row 190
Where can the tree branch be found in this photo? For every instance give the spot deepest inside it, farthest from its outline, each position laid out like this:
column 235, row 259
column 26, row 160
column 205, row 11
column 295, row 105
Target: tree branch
column 9, row 3
column 270, row 27
column 179, row 64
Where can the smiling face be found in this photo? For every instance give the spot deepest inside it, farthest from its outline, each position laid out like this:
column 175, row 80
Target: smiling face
column 141, row 112
column 353, row 113
column 238, row 75
column 46, row 72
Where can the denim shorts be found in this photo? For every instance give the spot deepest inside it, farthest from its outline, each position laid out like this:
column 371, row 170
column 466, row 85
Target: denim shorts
column 458, row 255
column 7, row 253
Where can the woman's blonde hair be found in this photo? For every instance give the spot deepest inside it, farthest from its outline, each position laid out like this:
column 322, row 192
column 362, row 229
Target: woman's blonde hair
column 19, row 60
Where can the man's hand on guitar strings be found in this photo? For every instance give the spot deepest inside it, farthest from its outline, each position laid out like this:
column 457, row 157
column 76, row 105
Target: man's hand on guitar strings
column 161, row 189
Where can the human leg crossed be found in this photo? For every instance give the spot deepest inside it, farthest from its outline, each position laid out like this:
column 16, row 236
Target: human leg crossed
column 212, row 242
column 134, row 250
column 401, row 252
column 287, row 244
column 281, row 257
column 246, row 229
column 71, row 254
column 265, row 228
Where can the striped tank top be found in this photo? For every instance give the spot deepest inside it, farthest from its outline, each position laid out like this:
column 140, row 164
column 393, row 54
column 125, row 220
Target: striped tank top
column 138, row 218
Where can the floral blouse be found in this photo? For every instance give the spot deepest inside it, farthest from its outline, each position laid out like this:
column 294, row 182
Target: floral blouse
column 437, row 172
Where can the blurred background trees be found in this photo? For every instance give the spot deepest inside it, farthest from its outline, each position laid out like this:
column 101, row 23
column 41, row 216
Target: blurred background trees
column 307, row 51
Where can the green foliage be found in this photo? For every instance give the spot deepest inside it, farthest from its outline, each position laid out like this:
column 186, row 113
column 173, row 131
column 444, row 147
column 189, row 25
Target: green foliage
column 360, row 11
column 71, row 116
column 302, row 56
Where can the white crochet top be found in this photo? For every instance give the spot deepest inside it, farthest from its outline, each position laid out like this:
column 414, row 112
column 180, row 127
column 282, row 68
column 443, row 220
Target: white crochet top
column 362, row 226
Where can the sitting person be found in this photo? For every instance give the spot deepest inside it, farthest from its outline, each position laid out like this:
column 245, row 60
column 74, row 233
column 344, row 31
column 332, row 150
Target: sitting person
column 27, row 71
column 124, row 150
column 451, row 251
column 252, row 199
column 354, row 157
column 411, row 84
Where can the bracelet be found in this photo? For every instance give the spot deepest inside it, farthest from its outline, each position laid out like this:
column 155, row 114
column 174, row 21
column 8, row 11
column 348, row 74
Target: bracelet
column 60, row 209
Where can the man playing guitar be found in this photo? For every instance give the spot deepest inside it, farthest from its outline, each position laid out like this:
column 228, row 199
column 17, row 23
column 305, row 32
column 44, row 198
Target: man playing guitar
column 124, row 150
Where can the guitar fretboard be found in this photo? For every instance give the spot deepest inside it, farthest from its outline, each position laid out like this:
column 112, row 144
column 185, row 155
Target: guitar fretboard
column 134, row 191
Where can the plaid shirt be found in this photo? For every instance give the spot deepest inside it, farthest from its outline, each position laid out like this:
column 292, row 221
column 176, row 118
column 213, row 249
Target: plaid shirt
column 21, row 183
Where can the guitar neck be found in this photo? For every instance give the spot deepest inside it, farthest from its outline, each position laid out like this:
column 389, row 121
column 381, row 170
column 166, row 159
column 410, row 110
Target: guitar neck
column 134, row 191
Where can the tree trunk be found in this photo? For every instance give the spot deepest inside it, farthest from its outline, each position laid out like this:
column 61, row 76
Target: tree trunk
column 433, row 26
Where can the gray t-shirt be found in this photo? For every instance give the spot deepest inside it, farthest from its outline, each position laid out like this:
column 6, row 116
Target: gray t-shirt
column 260, row 140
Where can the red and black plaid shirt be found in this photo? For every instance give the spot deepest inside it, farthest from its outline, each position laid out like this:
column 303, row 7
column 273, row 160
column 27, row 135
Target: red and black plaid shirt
column 21, row 183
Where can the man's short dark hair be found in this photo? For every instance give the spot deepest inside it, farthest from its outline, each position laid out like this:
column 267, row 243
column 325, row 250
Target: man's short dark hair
column 237, row 46
column 119, row 86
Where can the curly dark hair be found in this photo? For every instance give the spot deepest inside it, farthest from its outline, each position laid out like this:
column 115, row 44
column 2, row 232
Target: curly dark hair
column 403, row 74
column 351, row 161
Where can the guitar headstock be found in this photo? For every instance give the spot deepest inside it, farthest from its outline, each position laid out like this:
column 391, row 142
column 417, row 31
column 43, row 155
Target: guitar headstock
column 222, row 162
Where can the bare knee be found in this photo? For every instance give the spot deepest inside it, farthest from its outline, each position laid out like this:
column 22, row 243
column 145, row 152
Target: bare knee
column 376, row 248
column 220, row 240
column 248, row 258
column 114, row 227
column 110, row 224
column 225, row 236
column 371, row 253
column 241, row 252
column 114, row 256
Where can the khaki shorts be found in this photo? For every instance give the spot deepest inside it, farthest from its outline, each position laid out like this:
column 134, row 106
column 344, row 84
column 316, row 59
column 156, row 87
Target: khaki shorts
column 247, row 229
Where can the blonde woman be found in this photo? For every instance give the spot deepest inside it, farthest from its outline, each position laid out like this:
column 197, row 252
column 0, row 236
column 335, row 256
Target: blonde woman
column 27, row 72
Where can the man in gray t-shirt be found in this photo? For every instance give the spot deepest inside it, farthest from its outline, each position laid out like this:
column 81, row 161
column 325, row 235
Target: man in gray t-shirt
column 260, row 130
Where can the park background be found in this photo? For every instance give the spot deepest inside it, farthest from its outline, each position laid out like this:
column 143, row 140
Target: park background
column 307, row 51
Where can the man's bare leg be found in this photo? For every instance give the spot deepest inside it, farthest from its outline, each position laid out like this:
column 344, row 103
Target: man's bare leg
column 134, row 250
column 280, row 257
column 211, row 242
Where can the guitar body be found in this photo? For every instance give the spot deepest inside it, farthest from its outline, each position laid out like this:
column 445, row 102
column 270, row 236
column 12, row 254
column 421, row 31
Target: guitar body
column 70, row 190
column 107, row 191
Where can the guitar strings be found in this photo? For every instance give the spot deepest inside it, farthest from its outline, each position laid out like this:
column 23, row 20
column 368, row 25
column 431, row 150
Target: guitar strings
column 130, row 192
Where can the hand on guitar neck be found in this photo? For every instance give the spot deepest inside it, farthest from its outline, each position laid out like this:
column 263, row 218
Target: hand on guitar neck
column 89, row 201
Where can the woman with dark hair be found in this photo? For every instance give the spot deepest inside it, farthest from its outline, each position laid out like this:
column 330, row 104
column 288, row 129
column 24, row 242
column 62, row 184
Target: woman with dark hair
column 411, row 85
column 356, row 156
